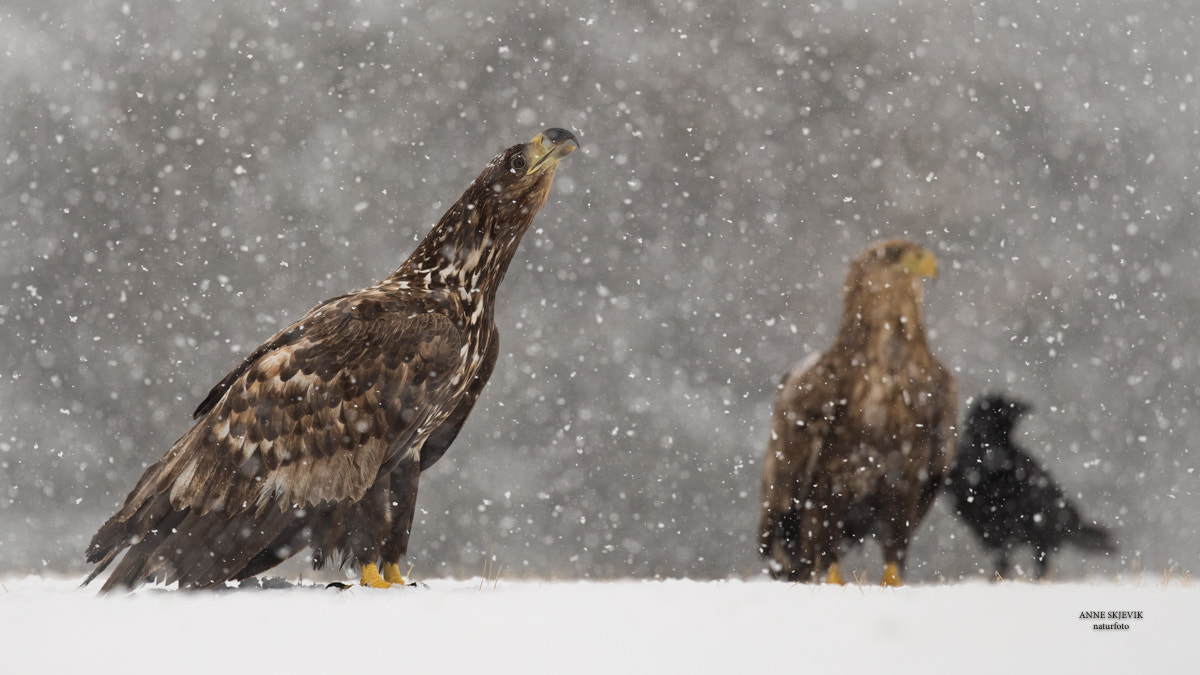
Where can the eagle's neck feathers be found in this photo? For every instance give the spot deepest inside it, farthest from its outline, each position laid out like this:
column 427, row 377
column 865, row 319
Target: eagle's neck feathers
column 470, row 249
column 883, row 321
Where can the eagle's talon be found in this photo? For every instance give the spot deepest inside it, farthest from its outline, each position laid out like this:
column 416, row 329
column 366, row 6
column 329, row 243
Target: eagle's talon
column 834, row 575
column 370, row 577
column 891, row 575
column 391, row 574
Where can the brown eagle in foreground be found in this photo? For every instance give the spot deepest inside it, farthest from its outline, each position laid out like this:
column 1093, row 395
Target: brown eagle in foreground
column 863, row 435
column 318, row 438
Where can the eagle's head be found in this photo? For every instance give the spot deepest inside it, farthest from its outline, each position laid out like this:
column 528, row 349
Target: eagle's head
column 892, row 263
column 473, row 243
column 518, row 180
column 884, row 291
column 540, row 156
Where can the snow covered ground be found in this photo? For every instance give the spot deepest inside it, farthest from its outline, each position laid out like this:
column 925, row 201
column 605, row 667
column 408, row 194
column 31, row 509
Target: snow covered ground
column 49, row 625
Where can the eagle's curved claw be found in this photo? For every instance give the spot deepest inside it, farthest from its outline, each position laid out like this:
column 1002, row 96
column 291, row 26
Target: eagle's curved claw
column 834, row 575
column 391, row 577
column 891, row 575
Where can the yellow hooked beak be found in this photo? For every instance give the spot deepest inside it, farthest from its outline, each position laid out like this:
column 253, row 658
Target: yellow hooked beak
column 919, row 261
column 548, row 147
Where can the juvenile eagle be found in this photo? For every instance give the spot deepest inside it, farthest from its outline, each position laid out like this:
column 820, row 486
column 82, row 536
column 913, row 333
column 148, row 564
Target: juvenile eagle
column 319, row 437
column 863, row 435
column 1007, row 498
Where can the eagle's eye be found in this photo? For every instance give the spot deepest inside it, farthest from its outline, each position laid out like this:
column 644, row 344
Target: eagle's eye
column 518, row 162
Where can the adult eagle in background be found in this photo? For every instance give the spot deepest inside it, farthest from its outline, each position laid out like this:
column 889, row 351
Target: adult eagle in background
column 319, row 437
column 863, row 435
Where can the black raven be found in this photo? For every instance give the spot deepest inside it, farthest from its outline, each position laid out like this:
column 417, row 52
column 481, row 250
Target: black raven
column 1007, row 498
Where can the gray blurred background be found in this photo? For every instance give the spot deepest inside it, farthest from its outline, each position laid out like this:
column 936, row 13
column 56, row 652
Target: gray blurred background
column 182, row 179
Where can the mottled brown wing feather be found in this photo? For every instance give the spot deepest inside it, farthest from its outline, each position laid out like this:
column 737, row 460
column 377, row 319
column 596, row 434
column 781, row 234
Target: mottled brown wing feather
column 799, row 428
column 281, row 339
column 439, row 441
column 316, row 417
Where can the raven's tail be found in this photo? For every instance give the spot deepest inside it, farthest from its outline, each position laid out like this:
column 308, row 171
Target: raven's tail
column 1093, row 537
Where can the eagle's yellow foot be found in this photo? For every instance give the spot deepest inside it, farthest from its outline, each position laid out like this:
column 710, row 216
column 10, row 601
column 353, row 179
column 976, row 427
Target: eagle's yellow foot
column 891, row 575
column 834, row 575
column 370, row 577
column 391, row 574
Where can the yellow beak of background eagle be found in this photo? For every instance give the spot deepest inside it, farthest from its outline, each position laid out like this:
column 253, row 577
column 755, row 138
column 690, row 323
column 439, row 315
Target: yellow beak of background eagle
column 547, row 148
column 919, row 261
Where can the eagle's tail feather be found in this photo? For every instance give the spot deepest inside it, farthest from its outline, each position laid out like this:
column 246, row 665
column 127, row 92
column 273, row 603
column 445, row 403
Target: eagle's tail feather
column 155, row 518
column 766, row 534
column 227, row 545
column 194, row 548
column 130, row 572
column 197, row 551
column 102, row 563
column 284, row 545
column 779, row 542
